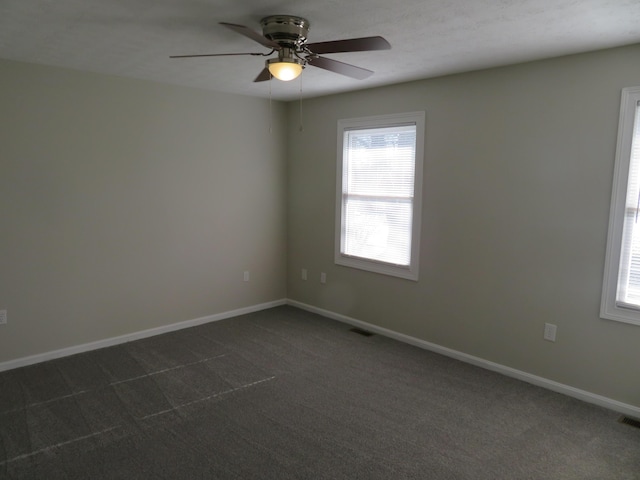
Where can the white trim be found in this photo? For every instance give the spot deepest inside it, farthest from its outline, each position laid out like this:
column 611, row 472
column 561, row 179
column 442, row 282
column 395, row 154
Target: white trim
column 583, row 395
column 410, row 272
column 609, row 309
column 108, row 342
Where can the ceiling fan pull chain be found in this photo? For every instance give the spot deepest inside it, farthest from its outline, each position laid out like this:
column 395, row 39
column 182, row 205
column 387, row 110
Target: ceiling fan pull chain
column 270, row 108
column 301, row 126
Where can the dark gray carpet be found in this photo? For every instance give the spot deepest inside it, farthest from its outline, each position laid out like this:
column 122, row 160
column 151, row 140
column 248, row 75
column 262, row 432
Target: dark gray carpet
column 285, row 394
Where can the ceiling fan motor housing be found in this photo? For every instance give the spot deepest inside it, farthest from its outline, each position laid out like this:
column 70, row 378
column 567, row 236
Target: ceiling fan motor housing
column 286, row 30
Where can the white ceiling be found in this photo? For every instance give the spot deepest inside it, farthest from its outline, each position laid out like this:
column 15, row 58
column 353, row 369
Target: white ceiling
column 134, row 38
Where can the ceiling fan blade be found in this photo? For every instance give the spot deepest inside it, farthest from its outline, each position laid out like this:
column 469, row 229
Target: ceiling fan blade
column 264, row 76
column 340, row 67
column 216, row 55
column 253, row 35
column 350, row 45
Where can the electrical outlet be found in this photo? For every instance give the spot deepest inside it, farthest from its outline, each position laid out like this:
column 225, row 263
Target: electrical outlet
column 3, row 317
column 323, row 277
column 550, row 332
column 246, row 276
column 303, row 274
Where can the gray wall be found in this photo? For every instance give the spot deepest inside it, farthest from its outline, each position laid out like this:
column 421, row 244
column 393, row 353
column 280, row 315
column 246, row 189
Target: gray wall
column 127, row 205
column 517, row 184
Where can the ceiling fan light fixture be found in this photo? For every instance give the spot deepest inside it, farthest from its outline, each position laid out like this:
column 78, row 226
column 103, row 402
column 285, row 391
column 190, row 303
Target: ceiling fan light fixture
column 285, row 69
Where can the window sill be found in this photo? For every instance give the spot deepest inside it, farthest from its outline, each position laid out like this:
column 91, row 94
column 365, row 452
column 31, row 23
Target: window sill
column 399, row 271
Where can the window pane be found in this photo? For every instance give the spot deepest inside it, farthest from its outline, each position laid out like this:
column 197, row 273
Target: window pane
column 380, row 161
column 378, row 192
column 378, row 229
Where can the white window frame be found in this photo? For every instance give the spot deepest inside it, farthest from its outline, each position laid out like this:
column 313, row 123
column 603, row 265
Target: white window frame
column 411, row 271
column 610, row 308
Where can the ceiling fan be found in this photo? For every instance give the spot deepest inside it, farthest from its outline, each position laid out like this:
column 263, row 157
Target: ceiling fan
column 287, row 35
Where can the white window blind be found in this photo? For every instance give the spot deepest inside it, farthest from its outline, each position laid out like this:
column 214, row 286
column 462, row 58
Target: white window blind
column 628, row 291
column 378, row 193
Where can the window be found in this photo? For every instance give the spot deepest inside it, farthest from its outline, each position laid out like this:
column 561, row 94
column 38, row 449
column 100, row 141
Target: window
column 621, row 286
column 379, row 193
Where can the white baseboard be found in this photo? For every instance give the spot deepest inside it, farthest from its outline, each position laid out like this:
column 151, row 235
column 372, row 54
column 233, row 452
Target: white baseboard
column 108, row 342
column 583, row 395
